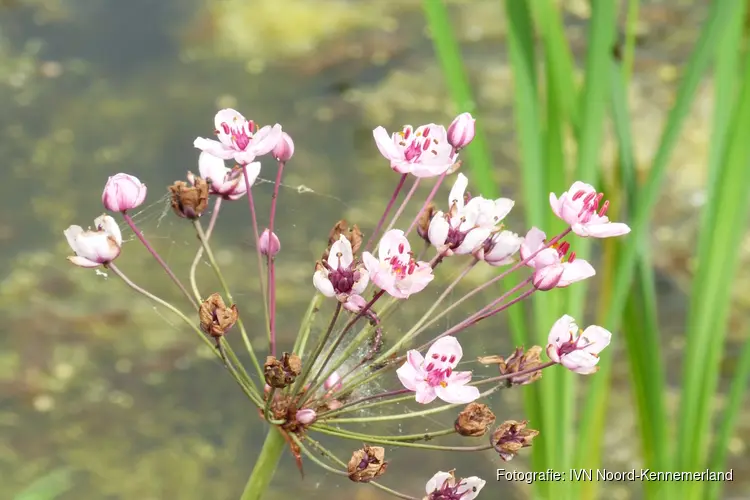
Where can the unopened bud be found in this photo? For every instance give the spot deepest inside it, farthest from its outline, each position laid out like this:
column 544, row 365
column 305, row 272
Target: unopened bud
column 367, row 464
column 123, row 192
column 510, row 437
column 474, row 420
column 306, row 416
column 269, row 243
column 332, row 382
column 461, row 131
column 547, row 277
column 284, row 149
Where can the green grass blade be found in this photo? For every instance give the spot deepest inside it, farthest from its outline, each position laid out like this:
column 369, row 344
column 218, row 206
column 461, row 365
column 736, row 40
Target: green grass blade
column 48, row 487
column 594, row 416
column 448, row 52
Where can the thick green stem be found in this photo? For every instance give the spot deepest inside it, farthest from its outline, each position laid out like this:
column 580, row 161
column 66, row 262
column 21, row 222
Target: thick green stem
column 265, row 467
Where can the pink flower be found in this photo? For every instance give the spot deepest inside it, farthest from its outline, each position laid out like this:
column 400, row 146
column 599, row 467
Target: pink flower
column 551, row 269
column 340, row 276
column 422, row 153
column 229, row 183
column 95, row 247
column 466, row 226
column 332, row 382
column 575, row 349
column 443, row 486
column 123, row 192
column 306, row 416
column 395, row 270
column 284, row 149
column 434, row 377
column 239, row 138
column 580, row 207
column 461, row 131
column 269, row 243
column 498, row 249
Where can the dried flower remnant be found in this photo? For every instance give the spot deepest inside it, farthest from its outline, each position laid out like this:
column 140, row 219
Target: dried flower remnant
column 366, row 464
column 189, row 199
column 281, row 373
column 123, row 192
column 474, row 420
column 423, row 222
column 445, row 486
column 96, row 247
column 575, row 349
column 341, row 228
column 580, row 207
column 215, row 317
column 518, row 362
column 434, row 376
column 510, row 437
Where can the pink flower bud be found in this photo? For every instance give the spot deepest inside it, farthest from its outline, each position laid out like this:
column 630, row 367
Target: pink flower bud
column 269, row 243
column 123, row 192
column 461, row 131
column 547, row 277
column 334, row 404
column 306, row 416
column 332, row 382
column 284, row 148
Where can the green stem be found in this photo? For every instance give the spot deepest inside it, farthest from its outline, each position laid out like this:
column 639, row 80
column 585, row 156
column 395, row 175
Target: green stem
column 265, row 466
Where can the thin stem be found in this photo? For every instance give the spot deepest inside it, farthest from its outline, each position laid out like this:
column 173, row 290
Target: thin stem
column 427, row 202
column 307, row 368
column 265, row 466
column 386, row 212
column 154, row 253
column 256, row 235
column 388, row 394
column 315, row 459
column 403, row 205
column 199, row 253
column 425, row 436
column 329, row 416
column 404, row 444
column 230, row 298
column 271, row 262
column 508, row 376
column 306, row 325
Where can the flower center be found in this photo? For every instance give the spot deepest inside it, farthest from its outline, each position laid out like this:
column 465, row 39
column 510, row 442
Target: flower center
column 448, row 492
column 416, row 144
column 241, row 134
column 590, row 205
column 402, row 269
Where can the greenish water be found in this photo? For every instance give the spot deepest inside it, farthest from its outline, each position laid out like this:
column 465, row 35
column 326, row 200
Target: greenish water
column 97, row 387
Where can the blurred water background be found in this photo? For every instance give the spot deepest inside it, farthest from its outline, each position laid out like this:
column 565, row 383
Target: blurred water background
column 102, row 396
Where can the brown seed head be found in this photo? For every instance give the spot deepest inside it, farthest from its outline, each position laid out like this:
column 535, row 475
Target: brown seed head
column 518, row 362
column 423, row 223
column 367, row 464
column 281, row 373
column 216, row 318
column 474, row 420
column 189, row 200
column 510, row 437
column 353, row 234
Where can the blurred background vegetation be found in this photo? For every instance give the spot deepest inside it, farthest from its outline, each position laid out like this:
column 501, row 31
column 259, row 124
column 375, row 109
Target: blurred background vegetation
column 102, row 396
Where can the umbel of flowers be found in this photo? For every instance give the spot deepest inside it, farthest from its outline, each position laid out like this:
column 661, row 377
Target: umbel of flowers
column 314, row 386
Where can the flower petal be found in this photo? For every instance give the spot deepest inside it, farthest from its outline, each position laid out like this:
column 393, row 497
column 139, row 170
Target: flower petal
column 595, row 338
column 437, row 481
column 457, row 394
column 470, row 487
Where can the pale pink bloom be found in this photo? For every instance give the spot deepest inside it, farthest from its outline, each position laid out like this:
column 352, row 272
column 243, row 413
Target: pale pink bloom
column 466, row 226
column 284, row 149
column 340, row 275
column 229, row 183
column 499, row 249
column 395, row 270
column 551, row 267
column 424, row 152
column 443, row 486
column 461, row 131
column 95, row 247
column 333, row 382
column 269, row 243
column 580, row 207
column 575, row 349
column 306, row 416
column 123, row 192
column 434, row 377
column 239, row 139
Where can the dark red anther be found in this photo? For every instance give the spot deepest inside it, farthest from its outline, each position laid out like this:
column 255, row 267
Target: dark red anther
column 225, row 127
column 589, row 197
column 578, row 194
column 572, row 257
column 604, row 209
column 426, row 132
column 452, row 358
column 407, row 132
column 425, row 145
column 400, row 248
column 429, row 367
column 435, row 356
column 443, row 358
column 411, row 268
column 448, row 372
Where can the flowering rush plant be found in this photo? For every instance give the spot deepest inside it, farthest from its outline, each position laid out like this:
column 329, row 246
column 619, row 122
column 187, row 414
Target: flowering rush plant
column 315, row 386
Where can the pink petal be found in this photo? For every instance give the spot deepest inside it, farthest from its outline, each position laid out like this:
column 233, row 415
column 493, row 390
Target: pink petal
column 457, row 394
column 561, row 330
column 470, row 487
column 576, row 271
column 409, row 376
column 607, row 230
column 83, row 261
column 597, row 339
column 447, row 347
column 438, row 230
column 323, row 284
column 459, row 378
column 393, row 243
column 532, row 242
column 555, row 204
column 425, row 393
column 214, row 147
column 580, row 362
column 385, row 144
column 266, row 139
column 437, row 481
column 423, row 171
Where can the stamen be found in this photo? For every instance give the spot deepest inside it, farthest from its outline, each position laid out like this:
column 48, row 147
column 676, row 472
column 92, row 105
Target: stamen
column 578, row 194
column 604, row 209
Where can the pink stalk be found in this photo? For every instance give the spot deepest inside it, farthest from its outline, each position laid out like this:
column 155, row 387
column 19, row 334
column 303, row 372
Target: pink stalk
column 270, row 261
column 386, row 212
column 256, row 237
column 403, row 204
column 427, row 202
column 175, row 279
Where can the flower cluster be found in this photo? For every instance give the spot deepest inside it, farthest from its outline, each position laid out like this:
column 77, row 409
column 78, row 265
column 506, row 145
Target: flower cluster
column 314, row 386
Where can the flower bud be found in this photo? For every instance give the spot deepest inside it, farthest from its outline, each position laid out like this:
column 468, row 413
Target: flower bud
column 269, row 243
column 332, row 382
column 510, row 437
column 284, row 149
column 474, row 420
column 189, row 200
column 367, row 464
column 461, row 131
column 123, row 192
column 306, row 416
column 216, row 318
column 281, row 373
column 547, row 278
